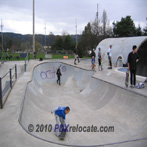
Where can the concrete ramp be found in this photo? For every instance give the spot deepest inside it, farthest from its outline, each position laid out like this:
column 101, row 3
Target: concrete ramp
column 92, row 102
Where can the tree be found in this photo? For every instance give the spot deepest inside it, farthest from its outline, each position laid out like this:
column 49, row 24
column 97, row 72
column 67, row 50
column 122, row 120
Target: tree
column 145, row 29
column 139, row 31
column 104, row 20
column 51, row 39
column 88, row 39
column 68, row 43
column 23, row 46
column 38, row 46
column 80, row 50
column 109, row 30
column 58, row 44
column 124, row 28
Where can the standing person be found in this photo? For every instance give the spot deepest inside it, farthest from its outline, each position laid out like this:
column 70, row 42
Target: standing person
column 110, row 56
column 60, row 115
column 99, row 60
column 132, row 60
column 93, row 54
column 93, row 62
column 76, row 55
column 58, row 74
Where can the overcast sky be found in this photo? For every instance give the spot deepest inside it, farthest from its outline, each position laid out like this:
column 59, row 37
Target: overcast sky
column 61, row 15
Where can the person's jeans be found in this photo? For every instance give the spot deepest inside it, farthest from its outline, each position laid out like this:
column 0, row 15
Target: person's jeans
column 110, row 61
column 133, row 77
column 60, row 122
column 58, row 80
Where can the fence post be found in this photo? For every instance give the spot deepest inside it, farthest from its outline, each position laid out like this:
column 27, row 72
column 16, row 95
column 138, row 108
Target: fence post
column 25, row 66
column 15, row 71
column 28, row 56
column 1, row 101
column 10, row 78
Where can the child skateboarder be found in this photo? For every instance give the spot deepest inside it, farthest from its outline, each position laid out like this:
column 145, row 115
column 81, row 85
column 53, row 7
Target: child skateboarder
column 58, row 75
column 60, row 115
column 93, row 62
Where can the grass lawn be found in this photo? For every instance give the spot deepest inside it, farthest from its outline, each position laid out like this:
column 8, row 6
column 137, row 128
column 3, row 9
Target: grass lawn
column 15, row 55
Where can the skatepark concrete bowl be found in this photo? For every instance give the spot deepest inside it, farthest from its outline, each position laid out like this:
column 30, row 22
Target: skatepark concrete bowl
column 92, row 102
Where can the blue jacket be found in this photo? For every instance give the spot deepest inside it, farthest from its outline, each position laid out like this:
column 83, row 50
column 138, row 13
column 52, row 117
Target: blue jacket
column 60, row 112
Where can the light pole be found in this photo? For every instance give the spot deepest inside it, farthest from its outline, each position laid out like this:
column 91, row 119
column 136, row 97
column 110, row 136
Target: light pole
column 33, row 26
column 76, row 34
column 45, row 36
column 2, row 34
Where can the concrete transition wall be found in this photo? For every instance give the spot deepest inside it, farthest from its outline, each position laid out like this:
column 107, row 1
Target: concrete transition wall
column 122, row 47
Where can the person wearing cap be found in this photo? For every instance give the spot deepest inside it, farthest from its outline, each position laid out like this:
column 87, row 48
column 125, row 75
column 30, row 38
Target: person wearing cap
column 99, row 59
column 60, row 115
column 132, row 61
column 58, row 74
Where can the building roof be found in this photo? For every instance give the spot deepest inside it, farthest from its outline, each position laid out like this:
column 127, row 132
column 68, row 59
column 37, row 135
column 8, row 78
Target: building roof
column 120, row 47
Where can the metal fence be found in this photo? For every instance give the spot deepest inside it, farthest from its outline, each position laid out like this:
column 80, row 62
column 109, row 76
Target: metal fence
column 6, row 84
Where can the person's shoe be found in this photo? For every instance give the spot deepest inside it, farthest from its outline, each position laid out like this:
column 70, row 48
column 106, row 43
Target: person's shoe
column 57, row 81
column 75, row 63
column 131, row 86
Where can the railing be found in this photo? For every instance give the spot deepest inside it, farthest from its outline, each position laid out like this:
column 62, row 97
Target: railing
column 6, row 85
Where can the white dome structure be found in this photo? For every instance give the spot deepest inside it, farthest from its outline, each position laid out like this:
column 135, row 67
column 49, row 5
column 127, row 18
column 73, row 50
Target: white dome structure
column 121, row 47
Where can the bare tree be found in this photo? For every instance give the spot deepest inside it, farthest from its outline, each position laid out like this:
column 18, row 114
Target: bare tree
column 109, row 29
column 104, row 21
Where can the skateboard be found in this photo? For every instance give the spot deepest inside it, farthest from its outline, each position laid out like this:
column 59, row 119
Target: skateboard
column 127, row 78
column 62, row 135
column 109, row 67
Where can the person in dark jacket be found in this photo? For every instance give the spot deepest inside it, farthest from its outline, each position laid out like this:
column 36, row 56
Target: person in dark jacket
column 132, row 60
column 76, row 56
column 58, row 75
column 93, row 54
column 109, row 53
column 99, row 60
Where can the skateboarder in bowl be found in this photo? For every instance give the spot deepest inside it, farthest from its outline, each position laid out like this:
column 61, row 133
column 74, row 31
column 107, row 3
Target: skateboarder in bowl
column 60, row 115
column 58, row 74
column 132, row 60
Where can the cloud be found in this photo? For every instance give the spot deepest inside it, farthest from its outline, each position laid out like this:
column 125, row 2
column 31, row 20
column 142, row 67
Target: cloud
column 61, row 15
